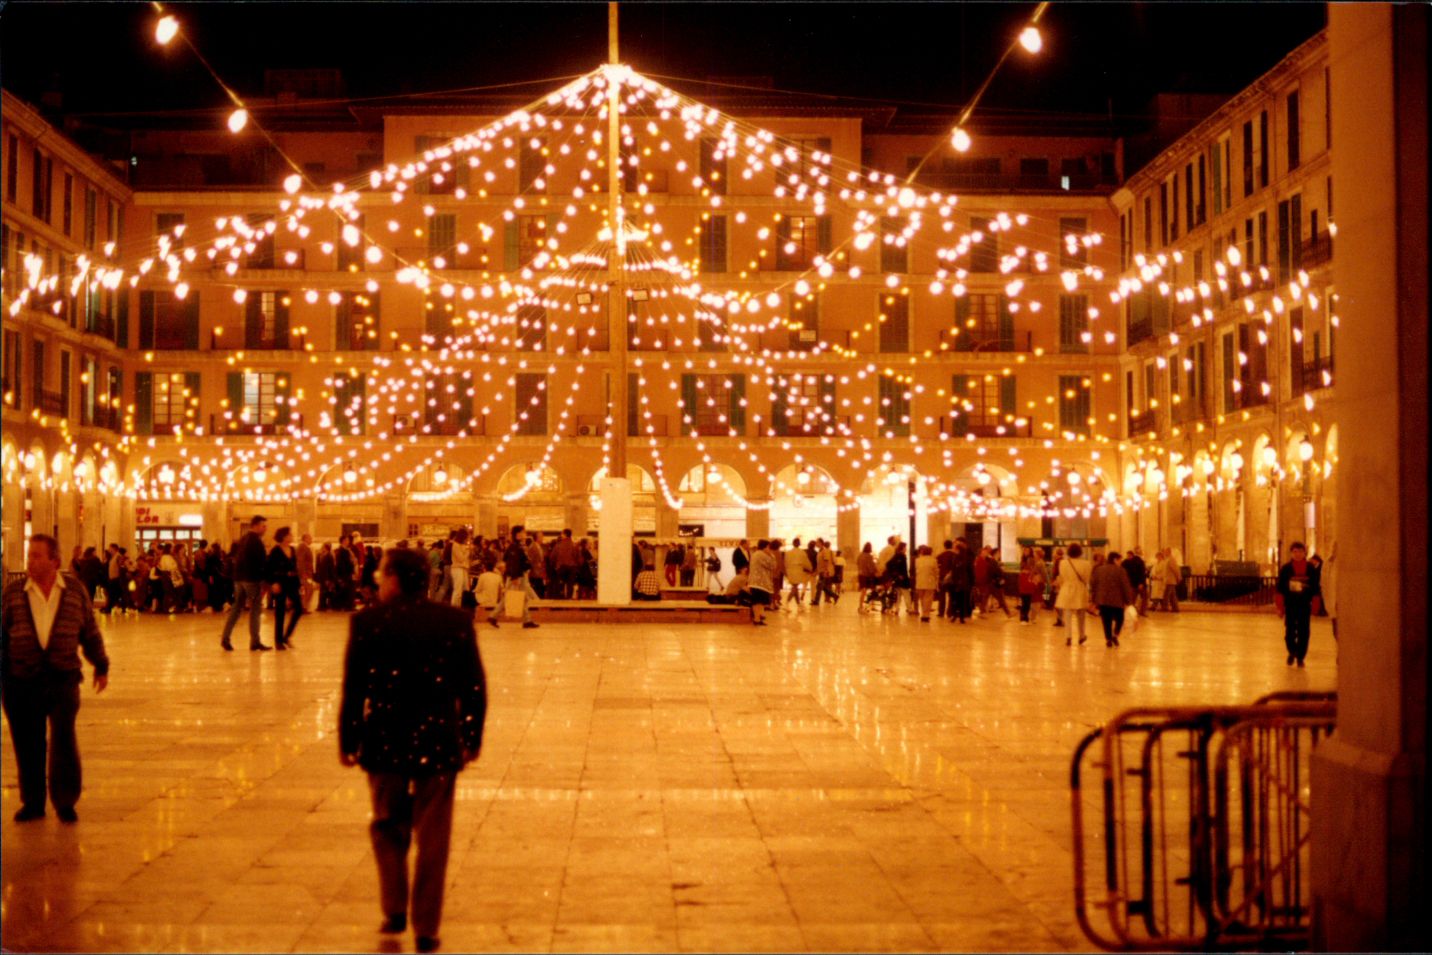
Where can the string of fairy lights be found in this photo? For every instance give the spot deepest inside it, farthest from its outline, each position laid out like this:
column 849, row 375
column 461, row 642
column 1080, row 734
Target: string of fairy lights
column 544, row 313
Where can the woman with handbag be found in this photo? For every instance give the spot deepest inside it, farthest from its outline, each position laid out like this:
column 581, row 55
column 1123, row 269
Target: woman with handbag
column 1073, row 599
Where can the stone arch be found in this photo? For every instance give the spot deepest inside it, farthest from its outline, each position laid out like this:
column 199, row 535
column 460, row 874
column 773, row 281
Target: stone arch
column 804, row 502
column 714, row 496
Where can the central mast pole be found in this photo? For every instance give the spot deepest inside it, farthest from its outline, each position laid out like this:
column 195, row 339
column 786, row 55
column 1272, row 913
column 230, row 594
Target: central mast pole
column 616, row 261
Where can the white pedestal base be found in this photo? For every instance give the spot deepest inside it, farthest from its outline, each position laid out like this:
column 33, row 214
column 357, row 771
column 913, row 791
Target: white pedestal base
column 614, row 527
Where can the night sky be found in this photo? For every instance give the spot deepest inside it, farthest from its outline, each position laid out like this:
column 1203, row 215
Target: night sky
column 1098, row 56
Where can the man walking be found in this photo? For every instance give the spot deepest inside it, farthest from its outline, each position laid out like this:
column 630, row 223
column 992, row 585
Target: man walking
column 45, row 620
column 306, row 571
column 1300, row 595
column 517, row 565
column 250, row 563
column 414, row 703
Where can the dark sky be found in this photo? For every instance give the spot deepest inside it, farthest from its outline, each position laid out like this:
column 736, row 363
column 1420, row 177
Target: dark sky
column 104, row 57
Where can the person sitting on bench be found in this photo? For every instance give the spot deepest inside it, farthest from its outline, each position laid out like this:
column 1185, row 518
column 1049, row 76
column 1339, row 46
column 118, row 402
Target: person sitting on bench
column 738, row 591
column 646, row 586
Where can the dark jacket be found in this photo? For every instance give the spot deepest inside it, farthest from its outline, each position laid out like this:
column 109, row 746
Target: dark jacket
column 414, row 692
column 1134, row 566
column 251, row 562
column 344, row 569
column 897, row 571
column 962, row 571
column 515, row 561
column 740, row 560
column 1109, row 586
column 1297, row 591
column 74, row 629
column 282, row 569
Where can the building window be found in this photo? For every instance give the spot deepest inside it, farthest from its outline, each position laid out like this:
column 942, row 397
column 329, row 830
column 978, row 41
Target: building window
column 442, row 236
column 1248, row 158
column 89, row 388
column 532, row 165
column 37, row 373
column 799, row 240
column 1073, row 254
column 350, row 257
column 714, row 404
column 1074, row 324
column 805, row 312
column 1074, row 404
column 894, row 251
column 713, row 166
column 1295, row 133
column 804, row 406
column 1263, row 149
column 984, row 253
column 531, row 331
column 261, row 238
column 164, row 225
column 12, row 168
column 447, row 404
column 713, row 245
column 67, row 205
column 350, row 411
column 1163, row 214
column 983, row 322
column 981, row 404
column 892, row 417
column 167, row 323
column 13, row 365
column 1034, row 172
column 436, row 181
column 526, row 238
column 894, row 318
column 171, row 401
column 266, row 320
column 530, row 404
column 355, row 318
column 1290, row 238
column 1148, row 223
column 91, row 216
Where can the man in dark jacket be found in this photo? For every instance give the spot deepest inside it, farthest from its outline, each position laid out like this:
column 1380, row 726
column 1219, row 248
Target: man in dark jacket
column 414, row 703
column 45, row 620
column 250, row 562
column 516, row 566
column 741, row 557
column 1138, row 573
column 1300, row 594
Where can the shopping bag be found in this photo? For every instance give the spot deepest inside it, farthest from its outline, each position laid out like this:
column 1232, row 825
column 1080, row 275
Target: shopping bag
column 1131, row 619
column 101, row 599
column 514, row 601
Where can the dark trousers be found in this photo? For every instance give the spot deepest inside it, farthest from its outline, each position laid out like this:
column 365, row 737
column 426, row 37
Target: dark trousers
column 286, row 601
column 404, row 807
column 29, row 705
column 1025, row 600
column 1113, row 618
column 959, row 604
column 116, row 591
column 247, row 594
column 1297, row 631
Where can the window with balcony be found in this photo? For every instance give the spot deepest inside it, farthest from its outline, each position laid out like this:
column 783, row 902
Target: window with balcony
column 984, row 250
column 13, row 364
column 804, row 312
column 799, row 239
column 1034, row 172
column 713, row 245
column 259, row 401
column 983, row 322
column 167, row 323
column 165, row 401
column 447, row 405
column 893, row 316
column 804, row 406
column 89, row 389
column 714, row 404
column 1073, row 254
column 526, row 237
column 261, row 239
column 531, row 331
column 350, row 404
column 350, row 258
column 1074, row 404
column 532, row 165
column 165, row 224
column 266, row 320
column 1290, row 238
column 355, row 320
column 982, row 405
column 892, row 413
column 442, row 237
column 438, row 181
column 37, row 375
column 530, row 403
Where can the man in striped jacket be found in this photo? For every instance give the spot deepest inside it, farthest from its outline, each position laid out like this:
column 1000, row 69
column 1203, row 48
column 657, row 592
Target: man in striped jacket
column 45, row 620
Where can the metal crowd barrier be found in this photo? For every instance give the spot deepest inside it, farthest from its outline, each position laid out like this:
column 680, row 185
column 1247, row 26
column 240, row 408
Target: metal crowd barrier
column 1197, row 831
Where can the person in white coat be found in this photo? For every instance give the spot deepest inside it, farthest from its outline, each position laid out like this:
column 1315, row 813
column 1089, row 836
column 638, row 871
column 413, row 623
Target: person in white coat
column 798, row 573
column 1074, row 574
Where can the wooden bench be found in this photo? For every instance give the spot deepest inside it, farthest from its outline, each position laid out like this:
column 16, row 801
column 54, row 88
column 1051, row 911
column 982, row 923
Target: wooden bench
column 685, row 593
column 640, row 611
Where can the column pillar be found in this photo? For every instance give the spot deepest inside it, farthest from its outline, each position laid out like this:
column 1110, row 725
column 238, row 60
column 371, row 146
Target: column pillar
column 847, row 537
column 216, row 522
column 758, row 523
column 575, row 514
column 1369, row 797
column 486, row 522
column 394, row 525
column 305, row 517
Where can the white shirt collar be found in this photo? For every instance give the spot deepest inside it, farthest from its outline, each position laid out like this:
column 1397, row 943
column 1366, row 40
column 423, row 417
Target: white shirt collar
column 34, row 588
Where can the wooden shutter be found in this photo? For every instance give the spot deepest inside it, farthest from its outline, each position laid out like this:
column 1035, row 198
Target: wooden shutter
column 688, row 401
column 823, row 231
column 282, row 389
column 191, row 400
column 960, row 418
column 1007, row 404
column 191, row 322
column 253, row 320
column 965, row 339
column 510, row 247
column 143, row 402
column 280, row 319
column 235, row 395
column 1006, row 325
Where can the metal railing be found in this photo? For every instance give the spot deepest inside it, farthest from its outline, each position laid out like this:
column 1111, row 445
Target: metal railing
column 51, row 402
column 219, row 425
column 1199, row 837
column 447, row 425
column 1317, row 251
column 960, row 427
column 1144, row 422
column 1259, row 590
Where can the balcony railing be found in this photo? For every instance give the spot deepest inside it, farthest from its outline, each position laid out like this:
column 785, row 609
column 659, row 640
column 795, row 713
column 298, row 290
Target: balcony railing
column 446, row 426
column 960, row 426
column 100, row 417
column 52, row 402
column 837, row 426
column 658, row 423
column 103, row 327
column 1312, row 375
column 1250, row 396
column 970, row 341
column 219, row 425
column 1186, row 411
column 1317, row 251
column 1143, row 422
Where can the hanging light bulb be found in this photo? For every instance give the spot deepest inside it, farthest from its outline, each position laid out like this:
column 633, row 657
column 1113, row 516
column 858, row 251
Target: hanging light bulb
column 1270, row 457
column 293, row 183
column 349, row 476
column 440, row 476
column 1305, row 451
column 803, row 478
column 238, row 119
column 961, row 140
column 1031, row 39
column 165, row 30
column 261, row 474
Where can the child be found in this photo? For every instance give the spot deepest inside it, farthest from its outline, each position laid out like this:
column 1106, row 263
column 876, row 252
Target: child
column 489, row 591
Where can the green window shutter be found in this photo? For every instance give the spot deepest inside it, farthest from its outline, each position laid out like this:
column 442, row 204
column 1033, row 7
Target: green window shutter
column 143, row 403
column 146, row 320
column 191, row 385
column 1006, row 325
column 122, row 325
column 253, row 320
column 1007, row 403
column 463, row 403
column 282, row 389
column 783, row 234
column 191, row 322
column 827, row 386
column 1230, row 371
column 235, row 394
column 688, row 402
column 780, row 405
column 280, row 319
column 510, row 247
column 737, row 416
column 960, row 418
column 823, row 230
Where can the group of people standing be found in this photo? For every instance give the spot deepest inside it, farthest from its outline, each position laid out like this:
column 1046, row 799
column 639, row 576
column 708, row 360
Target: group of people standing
column 769, row 576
